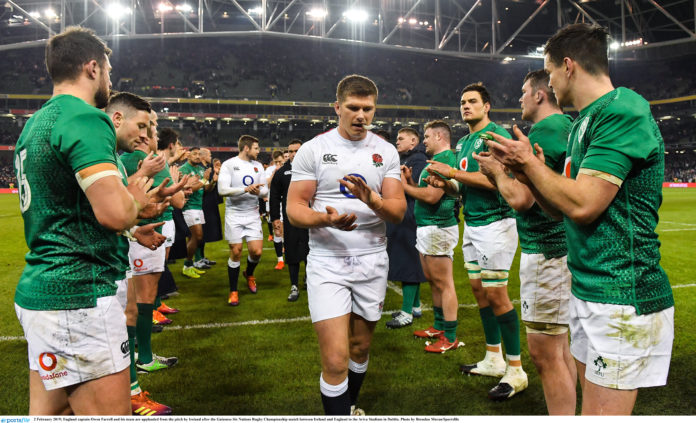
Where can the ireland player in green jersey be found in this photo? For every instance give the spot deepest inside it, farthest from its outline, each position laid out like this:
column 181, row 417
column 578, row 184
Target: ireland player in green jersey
column 66, row 164
column 193, row 210
column 436, row 236
column 621, row 308
column 489, row 244
column 544, row 275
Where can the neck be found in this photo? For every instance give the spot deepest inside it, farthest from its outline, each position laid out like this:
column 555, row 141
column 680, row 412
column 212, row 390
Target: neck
column 477, row 126
column 545, row 110
column 244, row 156
column 76, row 90
column 144, row 149
column 440, row 149
column 588, row 88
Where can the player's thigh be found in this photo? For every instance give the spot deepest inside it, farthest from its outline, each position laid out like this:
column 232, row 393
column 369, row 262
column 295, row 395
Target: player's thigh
column 333, row 337
column 43, row 402
column 146, row 287
column 361, row 331
column 328, row 289
column 108, row 395
column 196, row 231
column 441, row 271
column 600, row 400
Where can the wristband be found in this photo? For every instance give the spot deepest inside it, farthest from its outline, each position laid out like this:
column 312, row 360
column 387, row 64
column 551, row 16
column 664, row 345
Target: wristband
column 452, row 172
column 128, row 234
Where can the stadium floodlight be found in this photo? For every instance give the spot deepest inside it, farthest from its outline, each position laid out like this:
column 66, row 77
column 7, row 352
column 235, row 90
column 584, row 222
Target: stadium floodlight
column 185, row 8
column 614, row 45
column 35, row 15
column 50, row 13
column 356, row 15
column 116, row 11
column 317, row 13
column 413, row 21
column 401, row 20
column 165, row 7
column 256, row 10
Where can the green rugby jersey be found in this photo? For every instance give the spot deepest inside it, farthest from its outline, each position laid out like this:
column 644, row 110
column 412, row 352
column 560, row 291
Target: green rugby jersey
column 131, row 161
column 70, row 260
column 195, row 200
column 121, row 252
column 539, row 234
column 440, row 214
column 481, row 206
column 616, row 258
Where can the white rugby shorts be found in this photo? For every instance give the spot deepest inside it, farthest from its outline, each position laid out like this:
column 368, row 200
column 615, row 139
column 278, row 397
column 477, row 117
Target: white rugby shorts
column 241, row 226
column 493, row 246
column 340, row 285
column 544, row 289
column 169, row 230
column 144, row 261
column 620, row 349
column 194, row 217
column 68, row 347
column 435, row 241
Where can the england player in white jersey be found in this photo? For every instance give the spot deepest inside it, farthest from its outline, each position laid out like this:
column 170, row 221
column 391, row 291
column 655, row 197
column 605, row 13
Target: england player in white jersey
column 242, row 182
column 345, row 184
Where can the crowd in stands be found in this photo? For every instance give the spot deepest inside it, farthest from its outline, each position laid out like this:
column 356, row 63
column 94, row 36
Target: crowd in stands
column 270, row 68
column 680, row 166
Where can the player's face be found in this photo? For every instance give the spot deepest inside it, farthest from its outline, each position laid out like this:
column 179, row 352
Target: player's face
column 405, row 142
column 353, row 113
column 286, row 155
column 558, row 82
column 253, row 151
column 528, row 101
column 292, row 150
column 101, row 97
column 278, row 162
column 430, row 140
column 132, row 128
column 153, row 138
column 204, row 154
column 194, row 156
column 472, row 107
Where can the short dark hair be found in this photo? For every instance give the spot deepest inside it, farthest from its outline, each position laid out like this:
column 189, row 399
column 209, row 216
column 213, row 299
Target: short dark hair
column 356, row 85
column 194, row 148
column 68, row 51
column 278, row 153
column 411, row 131
column 246, row 141
column 479, row 88
column 295, row 141
column 539, row 80
column 167, row 137
column 584, row 43
column 385, row 135
column 439, row 124
column 128, row 101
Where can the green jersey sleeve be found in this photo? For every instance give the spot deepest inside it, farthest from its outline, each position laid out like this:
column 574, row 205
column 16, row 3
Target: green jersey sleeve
column 85, row 139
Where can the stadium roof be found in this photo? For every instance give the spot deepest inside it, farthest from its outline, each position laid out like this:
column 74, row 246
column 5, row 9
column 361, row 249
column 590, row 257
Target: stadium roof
column 494, row 28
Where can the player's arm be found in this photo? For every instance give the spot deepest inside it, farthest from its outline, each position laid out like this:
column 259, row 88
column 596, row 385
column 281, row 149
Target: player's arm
column 471, row 179
column 583, row 199
column 428, row 194
column 225, row 181
column 517, row 195
column 263, row 186
column 275, row 197
column 115, row 206
column 300, row 193
column 390, row 206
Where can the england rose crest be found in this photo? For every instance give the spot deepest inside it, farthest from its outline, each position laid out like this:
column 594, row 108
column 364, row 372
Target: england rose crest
column 377, row 160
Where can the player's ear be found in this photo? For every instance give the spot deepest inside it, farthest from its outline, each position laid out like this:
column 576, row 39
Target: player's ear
column 336, row 107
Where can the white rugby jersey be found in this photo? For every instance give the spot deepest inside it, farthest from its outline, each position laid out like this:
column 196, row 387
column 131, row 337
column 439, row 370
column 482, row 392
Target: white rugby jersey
column 328, row 158
column 237, row 174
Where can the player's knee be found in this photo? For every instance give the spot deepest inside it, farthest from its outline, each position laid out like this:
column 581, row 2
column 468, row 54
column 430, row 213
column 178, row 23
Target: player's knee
column 335, row 364
column 131, row 313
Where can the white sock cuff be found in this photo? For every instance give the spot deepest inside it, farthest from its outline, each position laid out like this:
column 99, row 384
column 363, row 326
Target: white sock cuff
column 280, row 258
column 251, row 260
column 233, row 264
column 332, row 391
column 357, row 367
column 277, row 239
column 513, row 357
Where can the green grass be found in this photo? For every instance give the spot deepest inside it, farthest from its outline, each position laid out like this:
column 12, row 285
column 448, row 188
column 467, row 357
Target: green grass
column 257, row 363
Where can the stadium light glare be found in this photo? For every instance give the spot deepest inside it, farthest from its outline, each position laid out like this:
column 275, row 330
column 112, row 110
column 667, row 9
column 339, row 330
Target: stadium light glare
column 117, row 11
column 355, row 15
column 413, row 21
column 317, row 13
column 614, row 45
column 164, row 7
column 256, row 10
column 35, row 15
column 401, row 20
column 50, row 13
column 185, row 8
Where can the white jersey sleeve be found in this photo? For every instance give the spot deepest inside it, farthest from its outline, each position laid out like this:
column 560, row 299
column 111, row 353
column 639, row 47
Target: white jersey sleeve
column 235, row 175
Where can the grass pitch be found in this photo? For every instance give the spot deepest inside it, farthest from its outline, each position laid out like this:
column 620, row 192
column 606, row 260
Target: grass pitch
column 261, row 358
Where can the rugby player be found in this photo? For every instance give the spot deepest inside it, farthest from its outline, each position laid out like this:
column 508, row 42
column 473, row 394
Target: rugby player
column 243, row 182
column 544, row 275
column 351, row 178
column 621, row 307
column 193, row 210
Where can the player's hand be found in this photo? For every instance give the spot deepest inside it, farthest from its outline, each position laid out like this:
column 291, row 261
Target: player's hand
column 206, row 174
column 174, row 173
column 165, row 191
column 435, row 181
column 194, row 181
column 344, row 222
column 139, row 188
column 151, row 165
column 406, row 173
column 359, row 189
column 254, row 189
column 488, row 165
column 539, row 152
column 148, row 237
column 513, row 154
column 216, row 165
column 440, row 169
column 154, row 208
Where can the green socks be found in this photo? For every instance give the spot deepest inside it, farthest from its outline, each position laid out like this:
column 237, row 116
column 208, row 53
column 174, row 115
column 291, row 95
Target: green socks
column 439, row 318
column 410, row 291
column 131, row 346
column 490, row 326
column 143, row 330
column 510, row 329
column 450, row 327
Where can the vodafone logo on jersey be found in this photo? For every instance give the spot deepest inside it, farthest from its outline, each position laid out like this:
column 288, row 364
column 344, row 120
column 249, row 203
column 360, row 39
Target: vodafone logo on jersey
column 463, row 163
column 566, row 167
column 48, row 362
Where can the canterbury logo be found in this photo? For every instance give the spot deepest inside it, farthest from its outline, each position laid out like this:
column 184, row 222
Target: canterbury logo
column 329, row 158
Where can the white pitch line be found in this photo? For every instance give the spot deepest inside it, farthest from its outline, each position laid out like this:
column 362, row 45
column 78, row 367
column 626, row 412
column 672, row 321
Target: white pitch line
column 678, row 223
column 676, row 230
column 289, row 320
